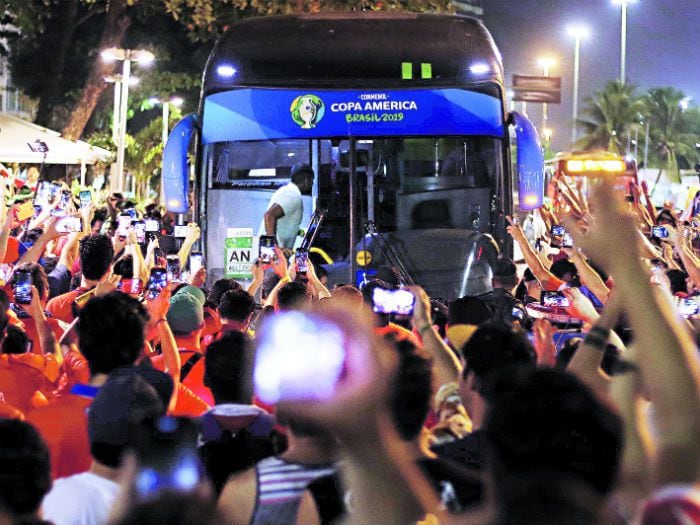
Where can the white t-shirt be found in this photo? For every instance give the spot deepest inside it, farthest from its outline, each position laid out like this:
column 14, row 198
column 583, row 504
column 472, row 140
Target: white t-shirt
column 288, row 197
column 81, row 499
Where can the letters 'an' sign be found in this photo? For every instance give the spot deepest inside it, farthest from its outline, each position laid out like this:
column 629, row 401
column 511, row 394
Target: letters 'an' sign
column 238, row 253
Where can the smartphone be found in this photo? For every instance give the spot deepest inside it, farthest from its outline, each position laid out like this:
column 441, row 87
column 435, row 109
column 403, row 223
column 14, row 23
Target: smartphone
column 64, row 200
column 302, row 261
column 25, row 211
column 688, row 307
column 266, row 248
column 659, row 232
column 140, row 229
column 554, row 299
column 85, row 198
column 398, row 302
column 180, row 232
column 157, row 254
column 69, row 224
column 45, row 192
column 299, row 356
column 166, row 457
column 558, row 231
column 173, row 269
column 196, row 262
column 152, row 225
column 23, row 287
column 156, row 282
column 312, row 230
column 131, row 212
column 567, row 241
column 131, row 286
column 123, row 225
column 518, row 314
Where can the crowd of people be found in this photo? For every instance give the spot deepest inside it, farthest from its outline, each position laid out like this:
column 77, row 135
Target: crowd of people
column 310, row 404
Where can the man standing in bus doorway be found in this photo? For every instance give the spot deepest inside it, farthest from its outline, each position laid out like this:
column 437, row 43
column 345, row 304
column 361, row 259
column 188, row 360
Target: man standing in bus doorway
column 285, row 210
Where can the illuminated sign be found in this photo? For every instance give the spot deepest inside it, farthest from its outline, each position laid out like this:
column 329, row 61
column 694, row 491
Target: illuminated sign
column 591, row 165
column 265, row 114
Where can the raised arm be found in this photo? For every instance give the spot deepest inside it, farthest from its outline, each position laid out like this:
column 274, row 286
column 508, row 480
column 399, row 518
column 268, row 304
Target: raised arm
column 34, row 253
column 446, row 366
column 589, row 277
column 193, row 233
column 542, row 274
column 668, row 357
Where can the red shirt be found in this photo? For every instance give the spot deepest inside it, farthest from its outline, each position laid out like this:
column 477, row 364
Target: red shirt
column 61, row 307
column 24, row 379
column 194, row 380
column 63, row 425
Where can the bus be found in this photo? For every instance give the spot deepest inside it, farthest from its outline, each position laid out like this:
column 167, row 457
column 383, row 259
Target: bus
column 401, row 116
column 588, row 166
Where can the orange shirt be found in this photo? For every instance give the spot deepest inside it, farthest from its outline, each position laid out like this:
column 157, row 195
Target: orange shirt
column 63, row 425
column 188, row 404
column 30, row 329
column 61, row 307
column 19, row 381
column 194, row 380
column 74, row 370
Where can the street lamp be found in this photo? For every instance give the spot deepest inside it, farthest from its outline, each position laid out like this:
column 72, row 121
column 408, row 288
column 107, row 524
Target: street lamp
column 117, row 81
column 545, row 63
column 126, row 56
column 623, row 36
column 578, row 32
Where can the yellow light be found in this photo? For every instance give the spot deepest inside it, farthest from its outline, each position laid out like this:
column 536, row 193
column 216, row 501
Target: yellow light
column 590, row 165
column 173, row 203
column 531, row 199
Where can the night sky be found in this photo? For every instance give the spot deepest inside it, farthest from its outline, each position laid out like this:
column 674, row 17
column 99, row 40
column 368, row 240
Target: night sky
column 663, row 47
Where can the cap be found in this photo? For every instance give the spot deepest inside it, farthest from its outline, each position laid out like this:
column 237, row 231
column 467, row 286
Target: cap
column 121, row 402
column 185, row 314
column 194, row 292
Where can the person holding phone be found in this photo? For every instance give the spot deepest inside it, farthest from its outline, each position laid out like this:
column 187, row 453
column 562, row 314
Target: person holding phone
column 285, row 209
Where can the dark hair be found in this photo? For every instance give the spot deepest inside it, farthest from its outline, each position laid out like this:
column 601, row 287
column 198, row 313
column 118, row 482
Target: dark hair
column 678, row 281
column 228, row 368
column 301, row 173
column 293, row 295
column 4, row 300
column 96, row 253
column 173, row 508
column 412, row 387
column 39, row 279
column 611, row 358
column 25, row 467
column 236, row 305
column 124, row 267
column 563, row 266
column 111, row 331
column 31, row 236
column 494, row 349
column 219, row 288
column 547, row 422
column 3, row 323
column 16, row 340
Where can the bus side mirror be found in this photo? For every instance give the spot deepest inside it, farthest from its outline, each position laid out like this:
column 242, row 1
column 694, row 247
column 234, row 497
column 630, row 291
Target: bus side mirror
column 530, row 162
column 175, row 173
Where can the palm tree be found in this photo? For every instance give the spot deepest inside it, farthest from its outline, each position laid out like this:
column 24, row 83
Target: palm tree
column 670, row 135
column 609, row 115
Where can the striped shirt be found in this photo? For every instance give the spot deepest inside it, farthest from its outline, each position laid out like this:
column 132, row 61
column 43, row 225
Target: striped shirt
column 280, row 486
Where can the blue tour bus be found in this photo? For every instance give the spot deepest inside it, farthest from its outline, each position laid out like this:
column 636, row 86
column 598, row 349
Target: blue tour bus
column 403, row 120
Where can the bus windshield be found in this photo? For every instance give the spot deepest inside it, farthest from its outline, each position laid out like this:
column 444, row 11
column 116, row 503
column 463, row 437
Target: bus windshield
column 403, row 183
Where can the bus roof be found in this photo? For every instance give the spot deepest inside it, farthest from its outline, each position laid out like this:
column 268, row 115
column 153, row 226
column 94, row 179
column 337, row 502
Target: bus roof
column 365, row 49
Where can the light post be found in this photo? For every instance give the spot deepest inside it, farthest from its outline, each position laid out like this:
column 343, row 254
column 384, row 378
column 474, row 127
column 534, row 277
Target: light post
column 623, row 37
column 545, row 63
column 126, row 56
column 116, row 112
column 578, row 32
column 176, row 102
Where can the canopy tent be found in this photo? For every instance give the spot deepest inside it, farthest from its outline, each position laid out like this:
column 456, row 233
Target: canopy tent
column 16, row 134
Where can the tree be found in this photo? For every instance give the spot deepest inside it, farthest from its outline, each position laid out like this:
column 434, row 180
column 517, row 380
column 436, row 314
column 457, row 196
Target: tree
column 610, row 114
column 670, row 133
column 64, row 37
